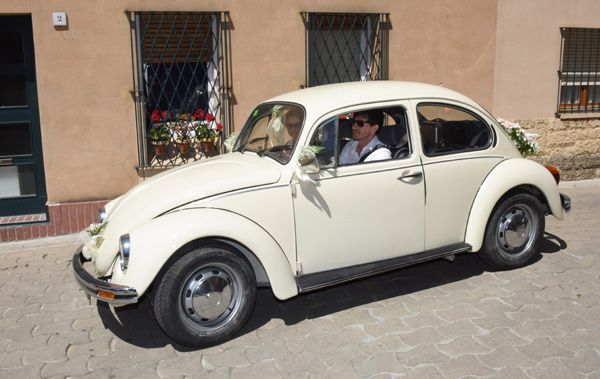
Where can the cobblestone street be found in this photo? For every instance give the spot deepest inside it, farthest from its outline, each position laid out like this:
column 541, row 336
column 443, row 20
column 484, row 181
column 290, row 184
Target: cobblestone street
column 437, row 319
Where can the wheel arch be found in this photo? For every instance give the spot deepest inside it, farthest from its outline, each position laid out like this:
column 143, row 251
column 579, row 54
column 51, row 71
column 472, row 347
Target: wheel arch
column 510, row 177
column 262, row 279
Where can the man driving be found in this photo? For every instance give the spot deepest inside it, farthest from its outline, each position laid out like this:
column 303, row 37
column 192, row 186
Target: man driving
column 365, row 146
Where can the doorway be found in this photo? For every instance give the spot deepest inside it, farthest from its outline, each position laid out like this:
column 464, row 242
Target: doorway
column 22, row 181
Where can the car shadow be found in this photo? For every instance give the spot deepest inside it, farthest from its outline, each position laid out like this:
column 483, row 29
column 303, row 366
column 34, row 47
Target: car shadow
column 137, row 325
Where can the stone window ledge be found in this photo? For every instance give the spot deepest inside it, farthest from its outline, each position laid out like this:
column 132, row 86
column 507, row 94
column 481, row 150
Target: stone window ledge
column 577, row 116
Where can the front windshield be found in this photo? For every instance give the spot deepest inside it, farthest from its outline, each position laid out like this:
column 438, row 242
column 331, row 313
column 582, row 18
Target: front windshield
column 272, row 130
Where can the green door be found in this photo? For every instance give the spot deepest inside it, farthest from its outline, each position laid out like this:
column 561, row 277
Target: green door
column 22, row 183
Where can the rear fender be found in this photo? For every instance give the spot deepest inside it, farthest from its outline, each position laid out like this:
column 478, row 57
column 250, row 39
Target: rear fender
column 507, row 175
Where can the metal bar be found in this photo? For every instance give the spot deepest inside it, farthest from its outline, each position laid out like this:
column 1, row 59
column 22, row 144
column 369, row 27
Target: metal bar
column 6, row 162
column 141, row 98
column 560, row 69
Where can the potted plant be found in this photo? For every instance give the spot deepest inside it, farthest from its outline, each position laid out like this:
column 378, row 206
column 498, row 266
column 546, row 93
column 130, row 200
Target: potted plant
column 159, row 132
column 207, row 130
column 183, row 133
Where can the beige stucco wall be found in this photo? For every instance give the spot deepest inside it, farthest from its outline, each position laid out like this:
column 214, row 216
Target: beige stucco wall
column 84, row 73
column 528, row 53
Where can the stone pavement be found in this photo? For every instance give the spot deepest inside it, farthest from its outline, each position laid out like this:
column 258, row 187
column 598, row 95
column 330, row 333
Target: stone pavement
column 438, row 319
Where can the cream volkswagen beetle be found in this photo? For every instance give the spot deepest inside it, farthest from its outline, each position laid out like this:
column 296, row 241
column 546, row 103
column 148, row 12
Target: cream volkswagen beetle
column 283, row 210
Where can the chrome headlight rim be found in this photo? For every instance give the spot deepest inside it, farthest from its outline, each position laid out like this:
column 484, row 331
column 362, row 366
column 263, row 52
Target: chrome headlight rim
column 124, row 251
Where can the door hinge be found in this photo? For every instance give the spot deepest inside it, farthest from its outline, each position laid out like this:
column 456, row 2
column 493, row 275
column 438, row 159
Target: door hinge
column 298, row 268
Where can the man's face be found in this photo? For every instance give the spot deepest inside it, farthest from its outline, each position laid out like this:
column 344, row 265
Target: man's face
column 292, row 125
column 364, row 133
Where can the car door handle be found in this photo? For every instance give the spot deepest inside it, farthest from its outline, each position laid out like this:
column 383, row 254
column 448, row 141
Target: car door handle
column 417, row 174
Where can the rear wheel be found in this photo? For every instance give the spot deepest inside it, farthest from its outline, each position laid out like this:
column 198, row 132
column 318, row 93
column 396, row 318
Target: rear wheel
column 206, row 296
column 514, row 232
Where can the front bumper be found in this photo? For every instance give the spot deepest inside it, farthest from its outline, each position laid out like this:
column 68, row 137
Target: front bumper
column 565, row 201
column 102, row 290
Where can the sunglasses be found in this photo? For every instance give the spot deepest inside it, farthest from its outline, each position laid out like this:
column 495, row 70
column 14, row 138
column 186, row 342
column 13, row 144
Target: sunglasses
column 360, row 123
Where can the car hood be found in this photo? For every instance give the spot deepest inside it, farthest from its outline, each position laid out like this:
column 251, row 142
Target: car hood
column 175, row 188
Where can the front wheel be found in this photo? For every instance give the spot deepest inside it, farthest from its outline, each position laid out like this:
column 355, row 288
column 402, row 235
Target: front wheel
column 514, row 232
column 206, row 296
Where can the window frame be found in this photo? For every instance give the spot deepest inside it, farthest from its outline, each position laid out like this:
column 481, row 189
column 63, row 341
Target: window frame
column 374, row 46
column 210, row 45
column 579, row 70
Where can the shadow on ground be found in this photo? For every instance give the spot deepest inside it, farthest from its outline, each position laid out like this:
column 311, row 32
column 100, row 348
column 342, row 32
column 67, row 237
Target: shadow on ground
column 136, row 324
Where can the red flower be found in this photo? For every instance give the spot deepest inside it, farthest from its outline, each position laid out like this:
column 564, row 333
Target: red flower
column 210, row 117
column 155, row 116
column 219, row 126
column 164, row 114
column 198, row 114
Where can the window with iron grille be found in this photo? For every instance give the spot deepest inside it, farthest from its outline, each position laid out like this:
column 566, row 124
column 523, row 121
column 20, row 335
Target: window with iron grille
column 345, row 47
column 579, row 73
column 181, row 65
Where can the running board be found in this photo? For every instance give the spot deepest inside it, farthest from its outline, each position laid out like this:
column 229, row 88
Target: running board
column 318, row 280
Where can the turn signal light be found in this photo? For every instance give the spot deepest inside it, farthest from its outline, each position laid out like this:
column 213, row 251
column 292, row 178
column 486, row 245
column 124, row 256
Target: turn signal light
column 554, row 171
column 106, row 295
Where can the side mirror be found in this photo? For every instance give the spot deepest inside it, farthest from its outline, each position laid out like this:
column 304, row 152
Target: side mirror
column 309, row 166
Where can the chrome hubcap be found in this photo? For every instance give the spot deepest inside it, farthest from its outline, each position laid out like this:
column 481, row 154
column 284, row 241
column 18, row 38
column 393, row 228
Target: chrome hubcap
column 516, row 229
column 210, row 296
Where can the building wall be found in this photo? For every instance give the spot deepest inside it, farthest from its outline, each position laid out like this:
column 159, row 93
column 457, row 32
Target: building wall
column 526, row 81
column 528, row 53
column 84, row 73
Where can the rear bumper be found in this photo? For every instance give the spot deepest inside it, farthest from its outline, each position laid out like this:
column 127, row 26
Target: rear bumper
column 102, row 290
column 565, row 201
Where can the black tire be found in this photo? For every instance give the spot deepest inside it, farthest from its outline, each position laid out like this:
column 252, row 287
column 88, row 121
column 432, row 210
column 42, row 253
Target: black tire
column 514, row 232
column 206, row 296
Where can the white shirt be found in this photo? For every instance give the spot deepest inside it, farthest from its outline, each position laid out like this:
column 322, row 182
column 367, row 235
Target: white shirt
column 350, row 156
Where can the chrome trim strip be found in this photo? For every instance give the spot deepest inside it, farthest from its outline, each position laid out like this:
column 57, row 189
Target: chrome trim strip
column 91, row 285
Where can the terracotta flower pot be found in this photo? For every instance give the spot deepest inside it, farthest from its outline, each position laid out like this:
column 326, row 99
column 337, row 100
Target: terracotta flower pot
column 208, row 148
column 184, row 148
column 160, row 149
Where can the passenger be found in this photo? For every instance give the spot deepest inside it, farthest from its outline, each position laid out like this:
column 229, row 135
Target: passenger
column 293, row 125
column 365, row 146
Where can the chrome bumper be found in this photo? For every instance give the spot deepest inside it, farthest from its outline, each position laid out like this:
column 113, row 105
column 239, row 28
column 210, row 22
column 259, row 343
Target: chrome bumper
column 565, row 201
column 113, row 294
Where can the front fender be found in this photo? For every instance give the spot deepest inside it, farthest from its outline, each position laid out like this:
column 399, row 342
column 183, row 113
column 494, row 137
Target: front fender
column 153, row 243
column 505, row 176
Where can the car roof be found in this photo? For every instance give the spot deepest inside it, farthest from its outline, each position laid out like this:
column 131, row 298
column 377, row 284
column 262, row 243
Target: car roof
column 322, row 99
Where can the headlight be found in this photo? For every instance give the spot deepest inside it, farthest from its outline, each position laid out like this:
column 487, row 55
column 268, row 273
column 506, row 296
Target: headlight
column 124, row 247
column 101, row 215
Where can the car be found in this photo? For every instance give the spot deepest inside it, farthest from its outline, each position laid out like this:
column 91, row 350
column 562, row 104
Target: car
column 283, row 210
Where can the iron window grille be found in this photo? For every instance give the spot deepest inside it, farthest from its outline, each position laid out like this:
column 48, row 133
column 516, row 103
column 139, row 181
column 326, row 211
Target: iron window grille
column 345, row 47
column 181, row 80
column 579, row 73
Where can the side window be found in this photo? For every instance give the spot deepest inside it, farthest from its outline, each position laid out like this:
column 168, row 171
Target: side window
column 373, row 135
column 446, row 129
column 324, row 141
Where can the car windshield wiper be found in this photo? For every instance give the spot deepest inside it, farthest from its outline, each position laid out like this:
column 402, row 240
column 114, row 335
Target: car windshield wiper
column 274, row 149
column 253, row 140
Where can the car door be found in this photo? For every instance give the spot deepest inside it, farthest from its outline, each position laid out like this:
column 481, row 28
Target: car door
column 458, row 152
column 365, row 212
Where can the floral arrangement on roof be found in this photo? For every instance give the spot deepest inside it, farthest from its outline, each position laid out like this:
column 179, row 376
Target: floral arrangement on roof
column 524, row 141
